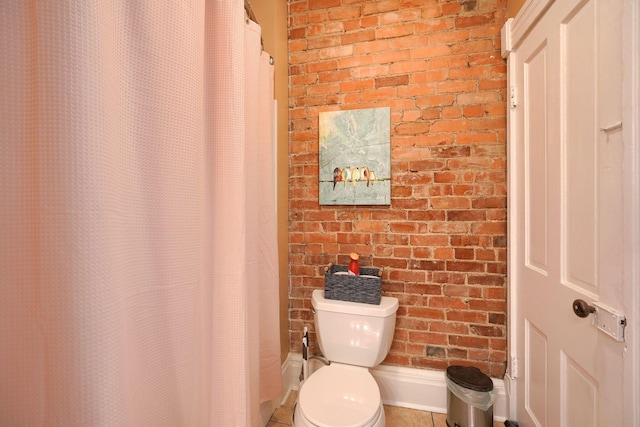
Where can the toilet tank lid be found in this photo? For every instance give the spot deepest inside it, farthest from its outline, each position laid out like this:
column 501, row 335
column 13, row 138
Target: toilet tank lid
column 387, row 307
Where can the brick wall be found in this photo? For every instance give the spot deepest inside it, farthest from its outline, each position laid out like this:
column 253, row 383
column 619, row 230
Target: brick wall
column 437, row 65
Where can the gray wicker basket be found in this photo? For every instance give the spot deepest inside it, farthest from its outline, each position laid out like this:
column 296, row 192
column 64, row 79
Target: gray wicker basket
column 353, row 288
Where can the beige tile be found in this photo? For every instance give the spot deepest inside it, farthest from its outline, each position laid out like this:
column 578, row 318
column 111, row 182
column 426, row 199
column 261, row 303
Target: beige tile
column 395, row 416
column 404, row 417
column 439, row 420
column 282, row 414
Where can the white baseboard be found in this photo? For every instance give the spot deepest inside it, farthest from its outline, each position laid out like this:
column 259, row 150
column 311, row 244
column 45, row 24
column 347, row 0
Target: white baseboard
column 291, row 369
column 425, row 389
column 413, row 388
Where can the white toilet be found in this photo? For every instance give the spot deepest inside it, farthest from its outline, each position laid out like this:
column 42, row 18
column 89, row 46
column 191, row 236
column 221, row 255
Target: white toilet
column 353, row 337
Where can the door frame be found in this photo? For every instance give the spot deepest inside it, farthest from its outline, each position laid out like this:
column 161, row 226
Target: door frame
column 513, row 33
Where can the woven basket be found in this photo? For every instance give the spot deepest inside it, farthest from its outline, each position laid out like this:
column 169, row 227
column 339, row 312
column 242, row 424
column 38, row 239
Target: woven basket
column 353, row 288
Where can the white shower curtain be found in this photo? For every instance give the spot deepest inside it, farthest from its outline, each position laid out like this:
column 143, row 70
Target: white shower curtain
column 138, row 279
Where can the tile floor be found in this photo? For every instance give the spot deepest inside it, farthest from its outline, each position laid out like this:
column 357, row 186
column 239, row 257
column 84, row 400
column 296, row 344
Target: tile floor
column 395, row 416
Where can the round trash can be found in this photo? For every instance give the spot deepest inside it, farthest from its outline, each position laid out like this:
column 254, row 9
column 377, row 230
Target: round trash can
column 469, row 397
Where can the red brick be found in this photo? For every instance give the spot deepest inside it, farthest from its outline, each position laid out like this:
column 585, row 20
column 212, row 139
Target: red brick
column 464, row 253
column 463, row 290
column 358, row 85
column 472, row 21
column 412, row 41
column 451, row 8
column 392, row 56
column 297, row 33
column 369, row 22
column 490, row 228
column 443, row 253
column 466, row 341
column 430, row 51
column 472, row 46
column 466, row 215
column 407, row 67
column 453, row 125
column 476, row 138
column 377, row 7
column 378, row 94
column 345, row 12
column 456, row 86
column 394, row 31
column 407, row 275
column 335, row 52
column 467, row 266
column 370, row 71
column 492, row 84
column 412, row 128
column 467, row 316
column 321, row 66
column 487, row 306
column 334, row 76
column 351, row 38
column 323, row 4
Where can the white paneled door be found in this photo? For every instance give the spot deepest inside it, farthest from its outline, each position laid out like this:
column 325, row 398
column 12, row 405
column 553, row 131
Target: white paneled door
column 568, row 217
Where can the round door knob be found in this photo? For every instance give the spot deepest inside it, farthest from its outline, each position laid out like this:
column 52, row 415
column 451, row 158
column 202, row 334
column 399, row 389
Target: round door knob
column 582, row 309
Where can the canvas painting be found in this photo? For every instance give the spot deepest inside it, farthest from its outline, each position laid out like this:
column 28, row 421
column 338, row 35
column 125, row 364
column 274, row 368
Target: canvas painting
column 355, row 157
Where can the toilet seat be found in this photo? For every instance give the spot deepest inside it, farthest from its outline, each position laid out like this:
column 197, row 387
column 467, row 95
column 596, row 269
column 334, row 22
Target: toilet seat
column 340, row 396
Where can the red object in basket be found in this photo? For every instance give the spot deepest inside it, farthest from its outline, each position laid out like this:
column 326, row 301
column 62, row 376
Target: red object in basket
column 354, row 268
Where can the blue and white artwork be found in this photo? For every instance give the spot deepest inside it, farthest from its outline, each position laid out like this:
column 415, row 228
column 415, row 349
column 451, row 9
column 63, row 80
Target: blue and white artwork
column 355, row 157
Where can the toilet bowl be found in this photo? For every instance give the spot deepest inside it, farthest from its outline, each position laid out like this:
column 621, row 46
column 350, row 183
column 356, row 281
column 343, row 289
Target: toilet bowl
column 353, row 337
column 339, row 396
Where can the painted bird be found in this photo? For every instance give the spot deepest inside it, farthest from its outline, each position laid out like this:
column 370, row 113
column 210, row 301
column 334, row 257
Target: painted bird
column 337, row 176
column 346, row 175
column 372, row 177
column 355, row 176
column 364, row 174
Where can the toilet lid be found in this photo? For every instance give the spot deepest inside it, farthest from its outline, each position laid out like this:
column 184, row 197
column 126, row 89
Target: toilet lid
column 340, row 396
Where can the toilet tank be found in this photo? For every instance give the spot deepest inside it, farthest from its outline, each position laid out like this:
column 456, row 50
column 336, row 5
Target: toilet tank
column 354, row 333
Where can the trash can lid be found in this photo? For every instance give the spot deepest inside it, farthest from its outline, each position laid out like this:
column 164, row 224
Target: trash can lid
column 469, row 377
